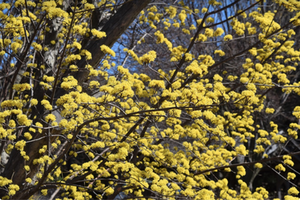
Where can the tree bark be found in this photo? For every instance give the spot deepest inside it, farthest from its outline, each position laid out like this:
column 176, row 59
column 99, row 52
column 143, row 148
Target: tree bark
column 114, row 28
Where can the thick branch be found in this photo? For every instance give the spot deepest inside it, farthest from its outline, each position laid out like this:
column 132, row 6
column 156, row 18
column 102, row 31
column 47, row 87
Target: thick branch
column 114, row 28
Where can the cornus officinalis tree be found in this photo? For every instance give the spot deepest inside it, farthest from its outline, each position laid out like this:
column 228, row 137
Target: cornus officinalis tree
column 140, row 99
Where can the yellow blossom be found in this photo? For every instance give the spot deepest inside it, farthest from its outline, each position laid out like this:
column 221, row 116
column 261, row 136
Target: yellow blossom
column 108, row 50
column 280, row 167
column 258, row 165
column 227, row 37
column 293, row 191
column 99, row 34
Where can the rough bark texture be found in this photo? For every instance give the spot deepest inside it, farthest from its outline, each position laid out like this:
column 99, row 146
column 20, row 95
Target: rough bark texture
column 114, row 28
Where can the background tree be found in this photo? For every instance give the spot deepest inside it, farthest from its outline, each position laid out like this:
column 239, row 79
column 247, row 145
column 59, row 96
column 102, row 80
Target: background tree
column 283, row 102
column 184, row 105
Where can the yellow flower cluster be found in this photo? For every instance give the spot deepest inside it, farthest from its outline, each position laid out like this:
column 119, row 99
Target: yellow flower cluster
column 50, row 117
column 98, row 34
column 148, row 57
column 238, row 26
column 86, row 53
column 53, row 11
column 23, row 120
column 46, row 104
column 69, row 83
column 293, row 191
column 37, row 46
column 172, row 11
column 13, row 188
column 22, row 87
column 108, row 50
column 72, row 58
column 138, row 118
column 4, row 181
column 219, row 52
column 280, row 167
